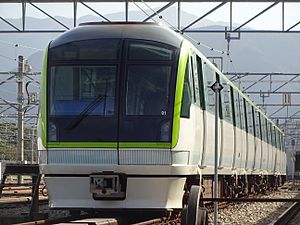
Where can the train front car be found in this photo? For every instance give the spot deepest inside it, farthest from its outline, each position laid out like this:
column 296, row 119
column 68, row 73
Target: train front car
column 108, row 119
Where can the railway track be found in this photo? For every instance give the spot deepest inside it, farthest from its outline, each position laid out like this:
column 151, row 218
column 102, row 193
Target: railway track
column 89, row 219
column 154, row 220
column 289, row 217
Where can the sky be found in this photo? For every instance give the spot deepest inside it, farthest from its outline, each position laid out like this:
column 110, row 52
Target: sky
column 271, row 20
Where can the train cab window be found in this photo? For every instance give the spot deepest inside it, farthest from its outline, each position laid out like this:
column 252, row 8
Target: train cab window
column 107, row 49
column 148, row 90
column 226, row 101
column 148, row 81
column 75, row 89
column 210, row 79
column 147, row 50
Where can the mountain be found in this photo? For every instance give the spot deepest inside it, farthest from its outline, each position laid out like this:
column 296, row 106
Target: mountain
column 251, row 53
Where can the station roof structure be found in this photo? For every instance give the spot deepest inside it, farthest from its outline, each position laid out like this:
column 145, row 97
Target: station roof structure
column 294, row 28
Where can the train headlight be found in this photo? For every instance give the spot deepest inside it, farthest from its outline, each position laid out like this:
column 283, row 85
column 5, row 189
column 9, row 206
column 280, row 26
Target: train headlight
column 52, row 135
column 165, row 131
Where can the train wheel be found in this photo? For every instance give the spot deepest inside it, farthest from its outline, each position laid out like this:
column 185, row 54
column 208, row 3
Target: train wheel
column 193, row 214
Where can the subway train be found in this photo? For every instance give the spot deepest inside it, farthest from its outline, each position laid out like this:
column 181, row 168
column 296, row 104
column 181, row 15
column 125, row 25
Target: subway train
column 127, row 118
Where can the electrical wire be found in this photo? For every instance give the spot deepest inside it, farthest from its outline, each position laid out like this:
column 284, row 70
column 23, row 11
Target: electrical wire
column 14, row 59
column 180, row 32
column 19, row 45
column 188, row 37
column 7, row 57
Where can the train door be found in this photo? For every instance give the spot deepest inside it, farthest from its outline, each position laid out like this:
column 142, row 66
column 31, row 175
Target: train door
column 227, row 125
column 271, row 148
column 265, row 145
column 199, row 93
column 251, row 148
column 258, row 141
column 243, row 131
column 275, row 148
column 278, row 152
column 209, row 112
column 201, row 121
column 197, row 75
column 191, row 115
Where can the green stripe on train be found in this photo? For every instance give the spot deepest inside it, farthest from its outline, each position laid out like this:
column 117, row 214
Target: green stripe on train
column 108, row 145
column 183, row 58
column 44, row 98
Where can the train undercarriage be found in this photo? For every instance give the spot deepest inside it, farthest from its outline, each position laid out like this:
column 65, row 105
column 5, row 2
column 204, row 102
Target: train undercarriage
column 229, row 186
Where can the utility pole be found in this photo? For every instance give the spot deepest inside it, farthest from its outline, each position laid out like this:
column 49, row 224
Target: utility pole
column 20, row 99
column 216, row 87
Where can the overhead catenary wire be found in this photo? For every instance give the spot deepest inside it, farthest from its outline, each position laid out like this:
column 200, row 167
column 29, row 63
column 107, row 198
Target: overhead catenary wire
column 179, row 31
column 187, row 36
column 19, row 45
column 14, row 59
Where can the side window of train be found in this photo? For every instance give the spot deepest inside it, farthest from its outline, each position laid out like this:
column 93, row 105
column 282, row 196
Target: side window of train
column 226, row 101
column 243, row 113
column 250, row 127
column 274, row 137
column 237, row 110
column 268, row 135
column 270, row 140
column 277, row 139
column 188, row 91
column 210, row 79
column 258, row 131
column 196, row 73
column 200, row 82
column 264, row 128
column 281, row 142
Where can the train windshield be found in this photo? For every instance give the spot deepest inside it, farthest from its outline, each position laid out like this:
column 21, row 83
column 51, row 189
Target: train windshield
column 97, row 93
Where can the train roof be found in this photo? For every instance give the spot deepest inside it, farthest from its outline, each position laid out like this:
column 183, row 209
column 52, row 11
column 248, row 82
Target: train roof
column 131, row 30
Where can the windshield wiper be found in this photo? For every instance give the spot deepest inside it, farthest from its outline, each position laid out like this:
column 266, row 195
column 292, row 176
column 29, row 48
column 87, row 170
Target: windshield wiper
column 85, row 112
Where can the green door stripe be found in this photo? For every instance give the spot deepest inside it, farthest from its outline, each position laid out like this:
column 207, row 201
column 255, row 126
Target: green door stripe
column 44, row 98
column 183, row 58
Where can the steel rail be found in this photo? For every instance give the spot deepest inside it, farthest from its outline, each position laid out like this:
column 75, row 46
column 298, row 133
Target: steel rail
column 251, row 199
column 287, row 215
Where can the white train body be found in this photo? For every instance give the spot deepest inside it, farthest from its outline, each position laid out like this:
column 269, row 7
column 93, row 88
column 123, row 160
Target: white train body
column 85, row 171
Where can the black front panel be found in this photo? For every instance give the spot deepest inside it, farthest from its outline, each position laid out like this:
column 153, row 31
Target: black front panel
column 97, row 93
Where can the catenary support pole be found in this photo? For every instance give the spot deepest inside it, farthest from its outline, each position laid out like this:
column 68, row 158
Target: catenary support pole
column 216, row 87
column 20, row 83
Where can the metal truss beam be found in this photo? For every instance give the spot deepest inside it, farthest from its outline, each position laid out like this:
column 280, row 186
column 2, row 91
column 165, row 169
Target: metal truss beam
column 190, row 28
column 271, row 87
column 158, row 11
column 71, row 1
